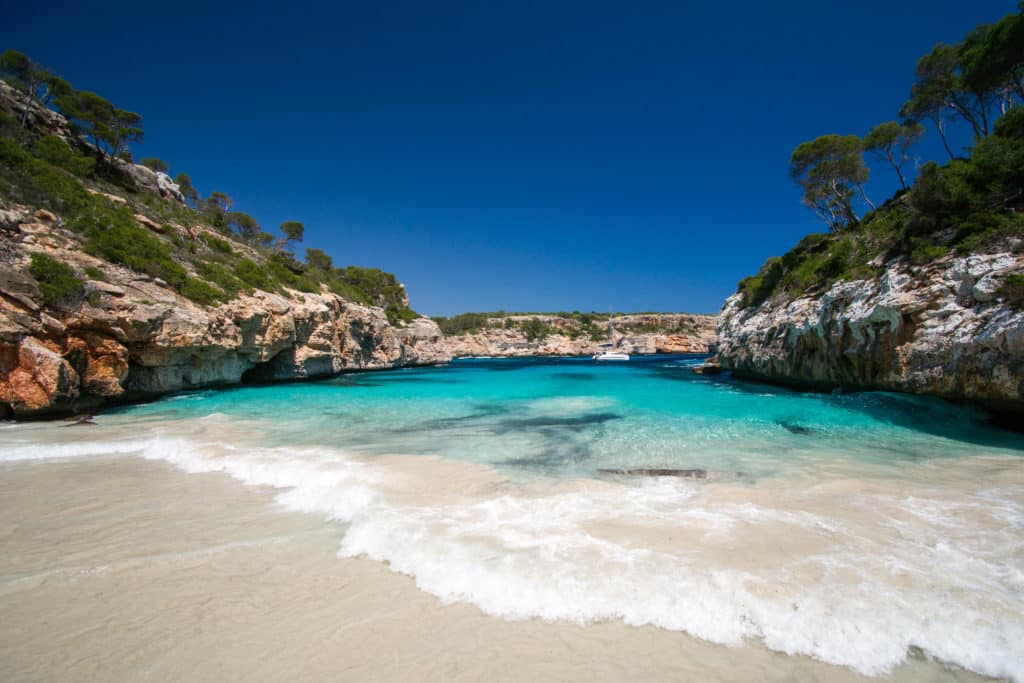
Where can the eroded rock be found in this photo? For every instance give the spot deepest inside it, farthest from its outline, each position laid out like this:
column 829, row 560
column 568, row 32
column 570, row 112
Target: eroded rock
column 940, row 330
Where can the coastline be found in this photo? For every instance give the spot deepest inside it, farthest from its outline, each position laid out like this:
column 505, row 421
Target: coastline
column 199, row 591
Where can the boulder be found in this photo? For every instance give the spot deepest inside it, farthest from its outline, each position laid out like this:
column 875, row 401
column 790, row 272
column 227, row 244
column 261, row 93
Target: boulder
column 20, row 288
column 148, row 223
column 109, row 197
column 35, row 378
column 45, row 216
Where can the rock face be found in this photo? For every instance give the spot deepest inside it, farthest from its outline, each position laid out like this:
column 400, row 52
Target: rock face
column 156, row 182
column 938, row 330
column 39, row 118
column 130, row 338
column 636, row 334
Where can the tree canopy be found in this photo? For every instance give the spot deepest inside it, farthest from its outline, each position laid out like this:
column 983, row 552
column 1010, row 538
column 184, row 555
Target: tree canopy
column 111, row 129
column 319, row 259
column 154, row 164
column 245, row 225
column 831, row 171
column 891, row 141
column 38, row 83
column 188, row 190
column 293, row 230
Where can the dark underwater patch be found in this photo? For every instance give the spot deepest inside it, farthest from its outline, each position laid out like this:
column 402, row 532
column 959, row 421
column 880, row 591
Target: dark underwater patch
column 575, row 376
column 554, row 457
column 794, row 428
column 574, row 423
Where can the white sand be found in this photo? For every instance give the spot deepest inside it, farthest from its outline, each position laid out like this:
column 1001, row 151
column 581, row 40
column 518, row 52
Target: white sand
column 119, row 569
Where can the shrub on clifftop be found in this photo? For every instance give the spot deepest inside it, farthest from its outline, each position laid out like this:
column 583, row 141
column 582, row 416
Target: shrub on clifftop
column 57, row 281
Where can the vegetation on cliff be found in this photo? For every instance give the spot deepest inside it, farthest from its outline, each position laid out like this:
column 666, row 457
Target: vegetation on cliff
column 574, row 325
column 200, row 247
column 967, row 205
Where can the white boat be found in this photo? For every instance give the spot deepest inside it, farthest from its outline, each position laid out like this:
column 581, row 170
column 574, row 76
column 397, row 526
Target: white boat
column 610, row 352
column 611, row 355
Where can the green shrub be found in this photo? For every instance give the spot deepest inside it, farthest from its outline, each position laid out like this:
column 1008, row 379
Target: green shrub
column 219, row 245
column 57, row 281
column 10, row 127
column 378, row 288
column 465, row 323
column 95, row 273
column 251, row 274
column 200, row 292
column 534, row 329
column 756, row 289
column 113, row 234
column 32, row 181
column 1012, row 290
column 222, row 277
column 398, row 315
column 52, row 149
column 289, row 278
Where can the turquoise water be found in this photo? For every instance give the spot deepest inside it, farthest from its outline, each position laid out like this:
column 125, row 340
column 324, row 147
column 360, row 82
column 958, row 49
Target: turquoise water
column 571, row 417
column 853, row 528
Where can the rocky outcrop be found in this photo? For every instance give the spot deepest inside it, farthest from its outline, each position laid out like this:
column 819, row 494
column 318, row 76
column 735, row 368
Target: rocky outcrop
column 941, row 330
column 156, row 182
column 39, row 118
column 130, row 337
column 635, row 334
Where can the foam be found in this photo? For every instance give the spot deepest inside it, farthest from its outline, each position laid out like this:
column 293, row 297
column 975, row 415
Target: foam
column 853, row 569
column 543, row 554
column 14, row 452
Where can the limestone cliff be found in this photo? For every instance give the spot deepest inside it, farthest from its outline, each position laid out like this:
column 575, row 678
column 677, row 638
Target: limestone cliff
column 564, row 336
column 940, row 329
column 128, row 336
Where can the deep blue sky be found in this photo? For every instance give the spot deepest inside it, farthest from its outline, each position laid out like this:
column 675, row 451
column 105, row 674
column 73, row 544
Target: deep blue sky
column 519, row 156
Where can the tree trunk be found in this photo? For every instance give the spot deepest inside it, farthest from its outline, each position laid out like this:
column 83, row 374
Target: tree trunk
column 891, row 157
column 967, row 115
column 942, row 134
column 899, row 173
column 865, row 196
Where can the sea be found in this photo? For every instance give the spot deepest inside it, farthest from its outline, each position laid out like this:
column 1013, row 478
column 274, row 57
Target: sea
column 856, row 529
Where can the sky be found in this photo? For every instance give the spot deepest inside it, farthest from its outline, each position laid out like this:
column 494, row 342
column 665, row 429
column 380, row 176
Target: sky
column 521, row 156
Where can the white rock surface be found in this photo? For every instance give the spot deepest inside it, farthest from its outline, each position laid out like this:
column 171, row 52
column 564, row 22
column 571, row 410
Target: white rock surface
column 939, row 330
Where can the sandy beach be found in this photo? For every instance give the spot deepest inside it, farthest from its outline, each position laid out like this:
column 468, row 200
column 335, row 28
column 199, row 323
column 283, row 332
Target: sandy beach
column 121, row 569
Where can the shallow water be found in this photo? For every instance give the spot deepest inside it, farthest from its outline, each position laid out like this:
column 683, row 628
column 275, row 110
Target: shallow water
column 855, row 529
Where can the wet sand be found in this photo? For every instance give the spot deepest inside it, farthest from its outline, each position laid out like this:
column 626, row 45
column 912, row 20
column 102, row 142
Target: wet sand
column 121, row 569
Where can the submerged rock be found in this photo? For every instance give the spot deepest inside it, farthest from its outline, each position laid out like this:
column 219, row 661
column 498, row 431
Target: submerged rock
column 657, row 472
column 794, row 428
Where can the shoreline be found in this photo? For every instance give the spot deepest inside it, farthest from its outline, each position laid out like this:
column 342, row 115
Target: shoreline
column 237, row 586
column 143, row 399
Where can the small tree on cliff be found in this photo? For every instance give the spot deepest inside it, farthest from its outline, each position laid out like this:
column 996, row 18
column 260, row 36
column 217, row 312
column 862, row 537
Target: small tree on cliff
column 111, row 129
column 318, row 259
column 293, row 231
column 188, row 190
column 245, row 225
column 33, row 80
column 993, row 59
column 216, row 209
column 891, row 141
column 154, row 164
column 831, row 171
